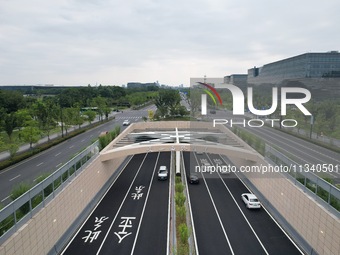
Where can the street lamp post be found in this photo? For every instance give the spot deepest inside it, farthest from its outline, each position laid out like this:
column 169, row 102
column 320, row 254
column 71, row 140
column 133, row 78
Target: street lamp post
column 311, row 126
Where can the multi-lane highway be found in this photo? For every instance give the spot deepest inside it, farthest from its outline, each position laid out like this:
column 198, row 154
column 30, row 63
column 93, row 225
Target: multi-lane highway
column 134, row 217
column 301, row 151
column 50, row 160
column 222, row 223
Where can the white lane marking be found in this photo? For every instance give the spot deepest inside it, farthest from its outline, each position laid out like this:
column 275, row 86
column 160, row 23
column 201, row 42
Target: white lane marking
column 57, row 154
column 190, row 210
column 169, row 210
column 146, row 200
column 258, row 239
column 40, row 164
column 301, row 151
column 216, row 211
column 58, row 165
column 83, row 140
column 90, row 214
column 5, row 198
column 71, row 147
column 297, row 247
column 120, row 207
column 15, row 177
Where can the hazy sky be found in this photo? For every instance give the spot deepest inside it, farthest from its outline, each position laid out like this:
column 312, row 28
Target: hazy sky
column 80, row 42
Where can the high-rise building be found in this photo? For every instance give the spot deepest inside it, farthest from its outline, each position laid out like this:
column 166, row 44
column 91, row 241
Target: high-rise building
column 308, row 65
column 239, row 80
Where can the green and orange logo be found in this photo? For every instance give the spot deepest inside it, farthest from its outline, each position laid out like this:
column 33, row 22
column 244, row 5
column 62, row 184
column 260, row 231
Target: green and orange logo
column 204, row 97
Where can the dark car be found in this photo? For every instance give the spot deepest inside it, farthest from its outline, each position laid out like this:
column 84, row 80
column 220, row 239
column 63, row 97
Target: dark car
column 193, row 179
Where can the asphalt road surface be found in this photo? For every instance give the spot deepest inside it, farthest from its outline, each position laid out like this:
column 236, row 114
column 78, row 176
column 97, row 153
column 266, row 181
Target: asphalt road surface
column 133, row 216
column 50, row 160
column 222, row 223
column 299, row 150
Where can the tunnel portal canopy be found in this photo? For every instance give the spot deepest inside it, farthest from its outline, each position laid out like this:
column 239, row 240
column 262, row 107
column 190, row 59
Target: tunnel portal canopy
column 195, row 136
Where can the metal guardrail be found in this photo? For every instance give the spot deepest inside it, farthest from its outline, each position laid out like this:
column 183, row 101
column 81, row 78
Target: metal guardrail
column 18, row 212
column 322, row 191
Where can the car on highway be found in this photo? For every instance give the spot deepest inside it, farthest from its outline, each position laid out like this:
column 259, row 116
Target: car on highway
column 126, row 123
column 251, row 201
column 162, row 173
column 193, row 179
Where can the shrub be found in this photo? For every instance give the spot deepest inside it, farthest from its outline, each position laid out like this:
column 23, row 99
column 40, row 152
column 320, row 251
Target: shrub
column 179, row 199
column 20, row 189
column 181, row 213
column 183, row 232
column 179, row 187
column 6, row 224
column 17, row 192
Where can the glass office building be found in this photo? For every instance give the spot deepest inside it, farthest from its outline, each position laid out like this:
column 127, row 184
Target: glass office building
column 308, row 65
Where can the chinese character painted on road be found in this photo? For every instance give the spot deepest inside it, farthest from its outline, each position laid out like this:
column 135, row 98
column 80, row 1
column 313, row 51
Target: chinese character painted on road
column 138, row 193
column 136, row 196
column 99, row 221
column 126, row 222
column 92, row 235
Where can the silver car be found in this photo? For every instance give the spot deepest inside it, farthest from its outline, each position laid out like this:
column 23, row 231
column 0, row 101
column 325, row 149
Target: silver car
column 126, row 123
column 162, row 173
column 251, row 201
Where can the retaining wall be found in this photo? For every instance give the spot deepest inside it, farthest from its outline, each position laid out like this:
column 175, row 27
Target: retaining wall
column 44, row 230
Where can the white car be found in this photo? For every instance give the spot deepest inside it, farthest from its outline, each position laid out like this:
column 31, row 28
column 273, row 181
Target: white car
column 162, row 173
column 126, row 123
column 251, row 201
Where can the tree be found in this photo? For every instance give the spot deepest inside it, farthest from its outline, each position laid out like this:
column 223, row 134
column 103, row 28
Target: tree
column 182, row 110
column 51, row 117
column 22, row 116
column 193, row 99
column 1, row 143
column 31, row 133
column 46, row 114
column 91, row 115
column 2, row 117
column 100, row 103
column 69, row 117
column 151, row 114
column 166, row 100
column 78, row 118
column 12, row 149
column 328, row 110
column 11, row 101
column 10, row 122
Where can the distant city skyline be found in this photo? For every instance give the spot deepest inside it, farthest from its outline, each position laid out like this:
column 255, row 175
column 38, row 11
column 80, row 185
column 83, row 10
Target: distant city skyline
column 73, row 42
